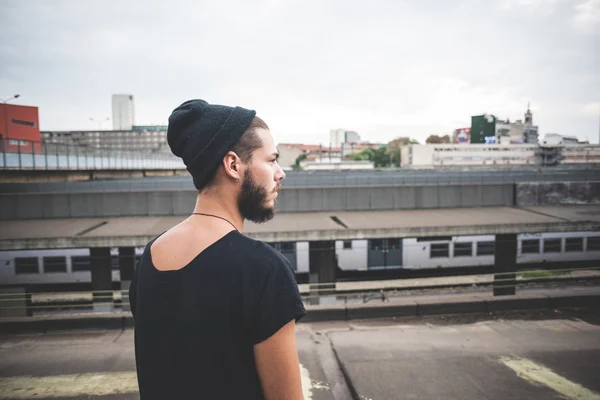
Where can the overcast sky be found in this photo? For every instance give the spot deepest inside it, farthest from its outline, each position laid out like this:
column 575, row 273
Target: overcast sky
column 382, row 68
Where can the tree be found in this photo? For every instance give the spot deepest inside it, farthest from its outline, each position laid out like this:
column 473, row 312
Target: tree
column 379, row 157
column 435, row 139
column 299, row 159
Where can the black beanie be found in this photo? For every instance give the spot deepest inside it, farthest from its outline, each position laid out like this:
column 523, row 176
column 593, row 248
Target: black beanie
column 201, row 134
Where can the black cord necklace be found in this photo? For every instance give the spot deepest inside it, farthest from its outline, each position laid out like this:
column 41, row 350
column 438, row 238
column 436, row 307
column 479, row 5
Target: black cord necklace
column 216, row 216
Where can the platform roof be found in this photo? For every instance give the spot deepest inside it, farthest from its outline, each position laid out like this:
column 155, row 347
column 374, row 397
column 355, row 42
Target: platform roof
column 137, row 231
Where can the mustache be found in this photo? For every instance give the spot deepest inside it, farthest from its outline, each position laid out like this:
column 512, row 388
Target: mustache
column 278, row 188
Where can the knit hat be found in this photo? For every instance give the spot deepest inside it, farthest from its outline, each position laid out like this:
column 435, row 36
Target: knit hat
column 202, row 133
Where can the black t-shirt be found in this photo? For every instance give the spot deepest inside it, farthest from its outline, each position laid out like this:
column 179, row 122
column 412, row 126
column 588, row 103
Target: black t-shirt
column 195, row 327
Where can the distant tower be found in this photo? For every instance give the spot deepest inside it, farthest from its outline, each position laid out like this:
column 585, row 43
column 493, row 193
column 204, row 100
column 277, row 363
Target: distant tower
column 123, row 112
column 528, row 116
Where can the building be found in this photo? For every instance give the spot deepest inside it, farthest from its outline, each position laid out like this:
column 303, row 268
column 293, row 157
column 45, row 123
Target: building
column 488, row 129
column 123, row 114
column 138, row 139
column 335, row 164
column 555, row 138
column 530, row 132
column 458, row 155
column 337, row 137
column 461, row 135
column 20, row 128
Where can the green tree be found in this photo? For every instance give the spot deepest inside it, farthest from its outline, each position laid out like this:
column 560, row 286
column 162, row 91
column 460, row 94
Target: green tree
column 299, row 159
column 379, row 157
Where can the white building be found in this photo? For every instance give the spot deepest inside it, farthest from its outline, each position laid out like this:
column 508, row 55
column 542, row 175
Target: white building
column 555, row 138
column 336, row 163
column 337, row 137
column 122, row 112
column 438, row 155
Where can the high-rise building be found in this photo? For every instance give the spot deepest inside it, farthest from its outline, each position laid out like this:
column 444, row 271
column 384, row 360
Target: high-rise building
column 122, row 112
column 337, row 137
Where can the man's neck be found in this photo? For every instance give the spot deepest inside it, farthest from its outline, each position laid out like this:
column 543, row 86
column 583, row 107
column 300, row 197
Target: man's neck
column 214, row 202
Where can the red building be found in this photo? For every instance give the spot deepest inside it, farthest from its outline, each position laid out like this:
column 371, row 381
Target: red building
column 19, row 129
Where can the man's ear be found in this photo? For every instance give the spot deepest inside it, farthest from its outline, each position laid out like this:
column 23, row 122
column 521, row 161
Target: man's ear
column 232, row 165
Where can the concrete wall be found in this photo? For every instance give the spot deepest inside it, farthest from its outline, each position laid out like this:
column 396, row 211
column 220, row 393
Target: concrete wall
column 552, row 193
column 164, row 203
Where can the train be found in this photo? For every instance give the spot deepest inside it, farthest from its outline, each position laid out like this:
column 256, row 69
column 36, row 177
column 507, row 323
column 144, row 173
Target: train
column 72, row 266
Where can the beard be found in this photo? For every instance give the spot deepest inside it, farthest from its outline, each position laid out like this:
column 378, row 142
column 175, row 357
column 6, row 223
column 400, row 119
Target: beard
column 253, row 201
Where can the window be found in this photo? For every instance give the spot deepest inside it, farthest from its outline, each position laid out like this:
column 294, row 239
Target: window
column 552, row 245
column 347, row 244
column 376, row 244
column 21, row 143
column 393, row 243
column 22, row 123
column 26, row 265
column 439, row 250
column 593, row 243
column 81, row 263
column 463, row 249
column 486, row 248
column 287, row 246
column 55, row 264
column 434, row 238
column 530, row 246
column 574, row 244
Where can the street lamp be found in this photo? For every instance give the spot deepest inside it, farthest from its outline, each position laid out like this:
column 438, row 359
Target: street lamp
column 99, row 121
column 16, row 96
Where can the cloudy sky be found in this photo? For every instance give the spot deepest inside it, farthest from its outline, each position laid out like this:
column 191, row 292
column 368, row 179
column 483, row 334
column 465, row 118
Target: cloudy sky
column 384, row 68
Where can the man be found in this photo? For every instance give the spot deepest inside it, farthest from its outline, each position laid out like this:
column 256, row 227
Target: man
column 214, row 310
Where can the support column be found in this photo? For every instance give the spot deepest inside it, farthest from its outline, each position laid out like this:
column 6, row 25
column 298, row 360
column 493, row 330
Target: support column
column 505, row 264
column 322, row 267
column 126, row 266
column 101, row 279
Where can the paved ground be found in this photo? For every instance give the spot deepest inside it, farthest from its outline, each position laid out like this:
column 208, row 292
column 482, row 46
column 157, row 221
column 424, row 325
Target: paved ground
column 524, row 355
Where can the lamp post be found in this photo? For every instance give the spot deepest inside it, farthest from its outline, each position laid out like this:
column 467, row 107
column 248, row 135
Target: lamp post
column 99, row 122
column 5, row 140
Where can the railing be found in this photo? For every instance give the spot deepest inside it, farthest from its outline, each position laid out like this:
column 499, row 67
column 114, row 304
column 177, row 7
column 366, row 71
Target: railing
column 35, row 155
column 20, row 303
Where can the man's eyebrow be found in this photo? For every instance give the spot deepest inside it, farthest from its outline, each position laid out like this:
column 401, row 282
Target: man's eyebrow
column 276, row 155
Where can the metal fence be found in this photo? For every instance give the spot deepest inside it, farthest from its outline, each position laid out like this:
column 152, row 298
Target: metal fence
column 38, row 155
column 18, row 301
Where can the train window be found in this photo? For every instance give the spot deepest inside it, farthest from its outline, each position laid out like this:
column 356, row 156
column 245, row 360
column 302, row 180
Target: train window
column 552, row 245
column 376, row 244
column 26, row 265
column 434, row 238
column 439, row 250
column 530, row 246
column 463, row 249
column 55, row 264
column 393, row 243
column 486, row 248
column 574, row 244
column 287, row 246
column 81, row 263
column 593, row 243
column 347, row 244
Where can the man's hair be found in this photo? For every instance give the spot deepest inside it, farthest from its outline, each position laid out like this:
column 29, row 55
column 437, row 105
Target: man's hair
column 249, row 141
column 244, row 146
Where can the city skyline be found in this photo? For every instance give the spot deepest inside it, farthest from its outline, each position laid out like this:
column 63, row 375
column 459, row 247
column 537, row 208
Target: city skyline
column 391, row 69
